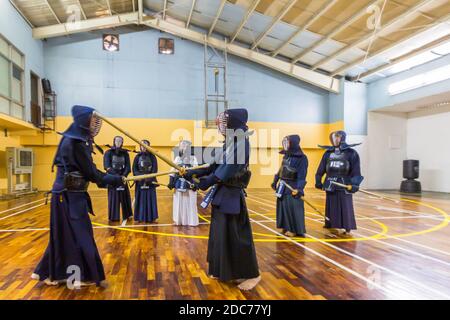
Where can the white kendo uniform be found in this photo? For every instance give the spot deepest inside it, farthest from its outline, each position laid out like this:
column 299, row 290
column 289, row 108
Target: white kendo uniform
column 185, row 203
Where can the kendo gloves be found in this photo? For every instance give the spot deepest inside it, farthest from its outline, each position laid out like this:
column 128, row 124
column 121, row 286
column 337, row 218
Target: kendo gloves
column 274, row 183
column 112, row 180
column 172, row 180
column 206, row 182
column 300, row 188
column 355, row 182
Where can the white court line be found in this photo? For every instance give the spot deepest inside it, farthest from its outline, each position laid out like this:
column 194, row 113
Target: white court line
column 374, row 231
column 351, row 271
column 399, row 217
column 118, row 226
column 413, row 213
column 23, row 205
column 399, row 275
column 386, row 243
column 359, row 200
column 24, row 230
column 22, row 211
column 399, row 239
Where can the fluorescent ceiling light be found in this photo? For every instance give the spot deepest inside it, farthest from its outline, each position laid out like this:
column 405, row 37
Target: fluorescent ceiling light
column 413, row 62
column 420, row 80
column 443, row 49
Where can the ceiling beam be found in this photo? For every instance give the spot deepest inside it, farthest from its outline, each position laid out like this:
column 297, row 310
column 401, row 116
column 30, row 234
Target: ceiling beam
column 390, row 46
column 86, row 25
column 301, row 73
column 188, row 22
column 164, row 9
column 108, row 4
column 245, row 19
column 52, row 11
column 335, row 31
column 82, row 10
column 373, row 35
column 298, row 72
column 21, row 13
column 409, row 55
column 219, row 12
column 280, row 16
column 140, row 11
column 399, row 4
column 307, row 24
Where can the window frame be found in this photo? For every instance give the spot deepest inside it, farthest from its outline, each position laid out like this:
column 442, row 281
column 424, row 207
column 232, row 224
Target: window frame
column 11, row 65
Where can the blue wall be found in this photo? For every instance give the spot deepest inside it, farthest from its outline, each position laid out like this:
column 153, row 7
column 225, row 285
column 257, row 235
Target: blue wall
column 138, row 82
column 14, row 28
column 336, row 105
column 355, row 111
column 379, row 97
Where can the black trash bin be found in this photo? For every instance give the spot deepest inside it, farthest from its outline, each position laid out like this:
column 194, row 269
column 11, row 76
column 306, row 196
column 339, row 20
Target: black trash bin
column 411, row 173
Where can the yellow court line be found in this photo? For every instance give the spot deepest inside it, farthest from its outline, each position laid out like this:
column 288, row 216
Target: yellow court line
column 206, row 237
column 151, row 232
column 381, row 235
column 384, row 230
column 202, row 217
column 443, row 224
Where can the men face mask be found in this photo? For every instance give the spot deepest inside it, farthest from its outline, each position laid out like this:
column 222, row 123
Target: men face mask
column 336, row 139
column 95, row 125
column 184, row 148
column 285, row 144
column 221, row 122
column 118, row 142
column 147, row 143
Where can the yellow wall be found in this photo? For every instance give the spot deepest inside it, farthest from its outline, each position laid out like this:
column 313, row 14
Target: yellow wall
column 164, row 134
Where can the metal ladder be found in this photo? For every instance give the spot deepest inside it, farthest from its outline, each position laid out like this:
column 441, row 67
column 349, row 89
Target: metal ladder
column 215, row 73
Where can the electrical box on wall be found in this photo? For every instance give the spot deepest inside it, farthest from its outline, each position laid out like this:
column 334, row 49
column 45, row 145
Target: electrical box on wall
column 19, row 166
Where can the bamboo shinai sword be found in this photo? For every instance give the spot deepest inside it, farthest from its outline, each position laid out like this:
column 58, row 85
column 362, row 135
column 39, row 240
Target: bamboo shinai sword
column 349, row 188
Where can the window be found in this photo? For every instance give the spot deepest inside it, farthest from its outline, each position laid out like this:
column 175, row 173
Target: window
column 12, row 64
column 420, row 80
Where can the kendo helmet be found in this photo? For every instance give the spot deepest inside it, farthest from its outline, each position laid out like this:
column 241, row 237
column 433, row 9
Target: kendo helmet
column 337, row 138
column 147, row 143
column 86, row 124
column 118, row 142
column 184, row 148
column 233, row 119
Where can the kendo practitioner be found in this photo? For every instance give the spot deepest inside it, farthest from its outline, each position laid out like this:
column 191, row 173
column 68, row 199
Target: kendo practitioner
column 117, row 162
column 231, row 251
column 145, row 205
column 72, row 245
column 341, row 164
column 290, row 207
column 185, row 196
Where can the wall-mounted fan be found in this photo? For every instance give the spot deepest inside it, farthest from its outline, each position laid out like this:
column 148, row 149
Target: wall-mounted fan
column 111, row 42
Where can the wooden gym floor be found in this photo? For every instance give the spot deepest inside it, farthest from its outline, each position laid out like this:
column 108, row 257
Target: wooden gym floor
column 400, row 251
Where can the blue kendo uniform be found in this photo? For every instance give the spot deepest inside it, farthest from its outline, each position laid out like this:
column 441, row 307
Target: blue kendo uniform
column 291, row 209
column 71, row 235
column 231, row 251
column 145, row 205
column 117, row 162
column 340, row 164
